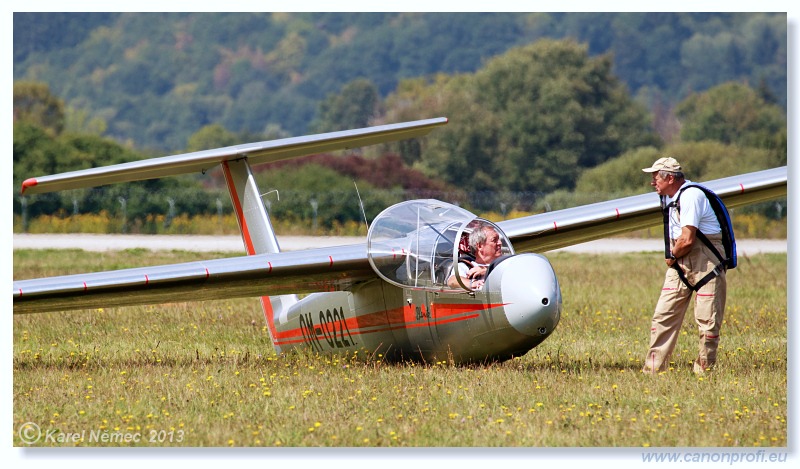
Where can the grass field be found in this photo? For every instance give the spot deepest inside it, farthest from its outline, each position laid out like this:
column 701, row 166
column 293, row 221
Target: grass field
column 204, row 374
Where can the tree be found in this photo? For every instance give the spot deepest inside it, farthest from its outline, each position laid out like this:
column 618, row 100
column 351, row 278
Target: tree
column 733, row 113
column 530, row 120
column 702, row 161
column 133, row 70
column 314, row 192
column 352, row 108
column 211, row 136
column 34, row 103
column 79, row 121
column 36, row 153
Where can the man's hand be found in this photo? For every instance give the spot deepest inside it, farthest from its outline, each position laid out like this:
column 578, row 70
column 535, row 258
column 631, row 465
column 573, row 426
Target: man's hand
column 476, row 276
column 477, row 271
column 683, row 244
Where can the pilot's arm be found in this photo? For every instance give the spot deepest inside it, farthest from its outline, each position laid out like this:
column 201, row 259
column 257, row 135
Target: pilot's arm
column 460, row 268
column 683, row 244
column 471, row 275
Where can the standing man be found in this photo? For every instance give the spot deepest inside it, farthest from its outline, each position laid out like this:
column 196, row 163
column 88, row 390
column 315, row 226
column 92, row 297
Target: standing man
column 692, row 267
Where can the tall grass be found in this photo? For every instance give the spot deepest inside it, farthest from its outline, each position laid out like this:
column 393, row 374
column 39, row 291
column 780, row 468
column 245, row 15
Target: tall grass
column 204, row 374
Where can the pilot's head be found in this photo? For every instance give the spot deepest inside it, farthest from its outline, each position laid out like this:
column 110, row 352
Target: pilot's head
column 485, row 243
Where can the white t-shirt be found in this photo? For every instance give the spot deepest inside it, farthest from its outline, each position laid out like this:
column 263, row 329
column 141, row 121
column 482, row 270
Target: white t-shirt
column 695, row 211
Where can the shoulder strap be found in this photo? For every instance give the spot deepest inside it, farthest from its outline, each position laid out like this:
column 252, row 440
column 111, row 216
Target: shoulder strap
column 718, row 208
column 707, row 278
column 726, row 229
column 725, row 225
column 665, row 213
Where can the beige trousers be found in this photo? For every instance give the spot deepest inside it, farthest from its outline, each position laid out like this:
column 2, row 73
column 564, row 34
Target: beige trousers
column 709, row 309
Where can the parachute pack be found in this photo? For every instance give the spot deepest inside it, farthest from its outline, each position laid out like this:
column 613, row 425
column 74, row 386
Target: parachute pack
column 729, row 260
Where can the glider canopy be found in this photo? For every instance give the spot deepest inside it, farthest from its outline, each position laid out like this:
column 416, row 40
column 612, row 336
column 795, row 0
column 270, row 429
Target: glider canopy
column 414, row 244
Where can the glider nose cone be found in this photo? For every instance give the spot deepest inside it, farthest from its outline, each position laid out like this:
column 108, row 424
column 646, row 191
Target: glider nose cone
column 531, row 294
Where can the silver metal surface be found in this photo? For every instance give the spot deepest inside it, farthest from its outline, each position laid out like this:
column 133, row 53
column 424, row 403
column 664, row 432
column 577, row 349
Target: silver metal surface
column 256, row 153
column 258, row 275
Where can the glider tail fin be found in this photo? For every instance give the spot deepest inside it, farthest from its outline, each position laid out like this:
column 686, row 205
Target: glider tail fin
column 256, row 228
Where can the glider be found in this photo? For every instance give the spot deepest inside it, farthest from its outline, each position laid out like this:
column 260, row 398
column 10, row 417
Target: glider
column 389, row 295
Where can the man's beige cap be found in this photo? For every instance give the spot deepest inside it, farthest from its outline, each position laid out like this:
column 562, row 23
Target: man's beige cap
column 664, row 164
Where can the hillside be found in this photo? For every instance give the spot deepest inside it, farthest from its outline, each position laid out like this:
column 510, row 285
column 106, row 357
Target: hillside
column 154, row 79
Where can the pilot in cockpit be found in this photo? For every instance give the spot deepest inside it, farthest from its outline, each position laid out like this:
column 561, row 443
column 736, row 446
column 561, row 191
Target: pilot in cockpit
column 485, row 245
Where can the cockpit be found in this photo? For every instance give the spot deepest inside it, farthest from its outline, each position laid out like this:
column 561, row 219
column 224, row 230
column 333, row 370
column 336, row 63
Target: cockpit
column 415, row 244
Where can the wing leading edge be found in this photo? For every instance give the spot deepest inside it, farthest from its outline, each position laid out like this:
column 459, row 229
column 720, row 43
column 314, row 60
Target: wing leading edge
column 314, row 270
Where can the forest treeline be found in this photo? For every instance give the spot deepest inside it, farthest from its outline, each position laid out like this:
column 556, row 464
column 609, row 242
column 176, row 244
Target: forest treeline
column 151, row 80
column 537, row 126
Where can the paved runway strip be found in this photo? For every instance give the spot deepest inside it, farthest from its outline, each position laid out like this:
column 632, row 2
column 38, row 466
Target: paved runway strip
column 202, row 243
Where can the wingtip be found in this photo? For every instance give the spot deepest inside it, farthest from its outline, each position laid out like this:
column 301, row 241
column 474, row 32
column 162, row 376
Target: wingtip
column 28, row 183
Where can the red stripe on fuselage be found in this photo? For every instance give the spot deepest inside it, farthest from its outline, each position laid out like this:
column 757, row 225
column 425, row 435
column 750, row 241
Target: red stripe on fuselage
column 298, row 336
column 398, row 318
